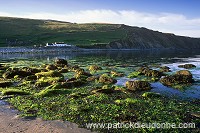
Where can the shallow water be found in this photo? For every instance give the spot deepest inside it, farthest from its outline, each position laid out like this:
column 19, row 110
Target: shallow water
column 128, row 61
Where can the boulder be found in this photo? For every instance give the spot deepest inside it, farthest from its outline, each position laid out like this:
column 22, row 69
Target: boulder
column 3, row 67
column 49, row 74
column 104, row 78
column 12, row 73
column 138, row 85
column 165, row 69
column 61, row 62
column 51, row 67
column 187, row 66
column 149, row 72
column 106, row 89
column 180, row 77
column 80, row 73
column 153, row 73
column 94, row 68
column 71, row 83
column 116, row 74
column 151, row 95
column 143, row 70
column 31, row 70
column 63, row 70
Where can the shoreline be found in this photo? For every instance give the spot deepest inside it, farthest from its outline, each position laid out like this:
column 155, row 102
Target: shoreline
column 35, row 50
column 10, row 121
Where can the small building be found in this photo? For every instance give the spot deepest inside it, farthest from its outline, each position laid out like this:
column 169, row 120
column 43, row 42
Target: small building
column 58, row 44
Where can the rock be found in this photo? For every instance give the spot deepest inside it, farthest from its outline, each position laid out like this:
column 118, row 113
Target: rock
column 138, row 85
column 41, row 84
column 51, row 67
column 134, row 74
column 63, row 70
column 61, row 62
column 94, row 68
column 180, row 77
column 47, row 92
column 153, row 73
column 92, row 78
column 151, row 95
column 49, row 74
column 31, row 77
column 149, row 72
column 104, row 78
column 31, row 70
column 73, row 68
column 184, row 73
column 116, row 74
column 71, row 83
column 187, row 66
column 2, row 67
column 143, row 70
column 80, row 73
column 107, row 89
column 5, row 84
column 13, row 73
column 165, row 69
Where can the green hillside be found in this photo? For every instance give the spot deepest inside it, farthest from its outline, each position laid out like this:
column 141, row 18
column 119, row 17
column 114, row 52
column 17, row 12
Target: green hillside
column 29, row 32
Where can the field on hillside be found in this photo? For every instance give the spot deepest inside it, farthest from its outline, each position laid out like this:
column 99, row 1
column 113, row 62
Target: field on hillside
column 29, row 32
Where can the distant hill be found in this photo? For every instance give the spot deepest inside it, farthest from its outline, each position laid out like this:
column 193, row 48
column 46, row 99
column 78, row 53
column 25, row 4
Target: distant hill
column 30, row 32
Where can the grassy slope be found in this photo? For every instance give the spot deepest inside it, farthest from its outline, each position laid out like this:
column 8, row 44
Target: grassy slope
column 42, row 31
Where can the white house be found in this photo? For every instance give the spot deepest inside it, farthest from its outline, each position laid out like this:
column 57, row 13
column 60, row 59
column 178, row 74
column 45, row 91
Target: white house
column 58, row 44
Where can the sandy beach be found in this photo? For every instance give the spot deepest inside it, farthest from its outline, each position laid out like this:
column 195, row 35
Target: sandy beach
column 11, row 122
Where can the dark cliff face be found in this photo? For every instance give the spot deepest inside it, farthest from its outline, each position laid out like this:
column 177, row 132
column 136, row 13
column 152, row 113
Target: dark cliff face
column 142, row 38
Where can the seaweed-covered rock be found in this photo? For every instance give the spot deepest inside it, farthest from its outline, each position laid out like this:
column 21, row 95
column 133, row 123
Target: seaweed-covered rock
column 151, row 95
column 149, row 72
column 51, row 67
column 5, row 84
column 3, row 67
column 180, row 77
column 74, row 68
column 107, row 89
column 134, row 74
column 31, row 77
column 153, row 73
column 13, row 73
column 31, row 70
column 116, row 74
column 41, row 84
column 187, row 66
column 138, row 85
column 49, row 74
column 94, row 68
column 73, row 82
column 80, row 73
column 143, row 70
column 165, row 69
column 61, row 62
column 106, row 79
column 52, row 92
column 92, row 78
column 63, row 70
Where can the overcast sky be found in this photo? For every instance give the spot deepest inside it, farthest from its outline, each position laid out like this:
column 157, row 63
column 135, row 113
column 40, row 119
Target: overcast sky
column 181, row 17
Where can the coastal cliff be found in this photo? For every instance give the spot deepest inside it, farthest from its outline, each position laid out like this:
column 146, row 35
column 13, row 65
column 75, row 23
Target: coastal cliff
column 143, row 38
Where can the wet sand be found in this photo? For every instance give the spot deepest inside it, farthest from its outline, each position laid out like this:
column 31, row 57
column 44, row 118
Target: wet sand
column 11, row 122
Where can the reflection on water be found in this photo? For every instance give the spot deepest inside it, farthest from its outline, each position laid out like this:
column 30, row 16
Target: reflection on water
column 171, row 59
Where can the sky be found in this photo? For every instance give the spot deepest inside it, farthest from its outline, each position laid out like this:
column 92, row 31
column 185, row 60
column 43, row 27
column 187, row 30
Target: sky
column 181, row 17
